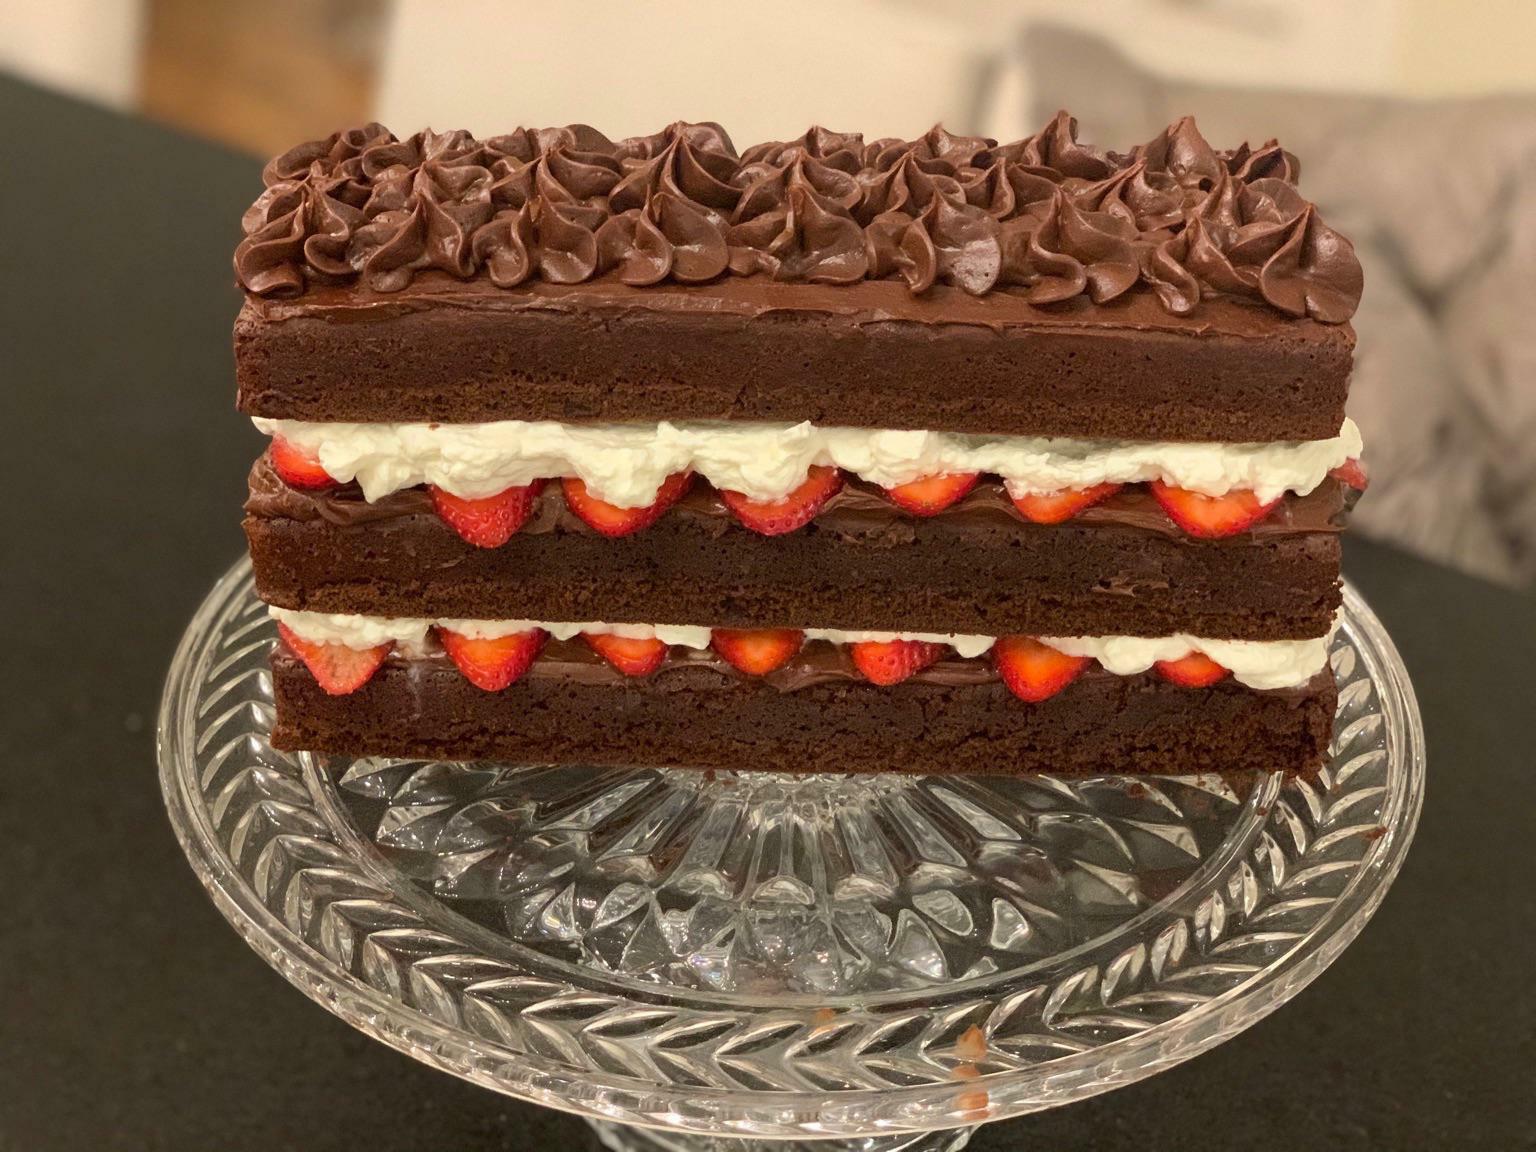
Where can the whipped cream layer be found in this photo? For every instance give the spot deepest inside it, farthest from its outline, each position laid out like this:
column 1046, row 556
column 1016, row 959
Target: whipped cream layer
column 1254, row 663
column 625, row 464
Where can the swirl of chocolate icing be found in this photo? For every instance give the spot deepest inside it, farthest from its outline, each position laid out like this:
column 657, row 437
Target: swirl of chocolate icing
column 1264, row 240
column 1151, row 202
column 1056, row 149
column 1058, row 251
column 1181, row 152
column 1048, row 217
column 504, row 246
column 1269, row 159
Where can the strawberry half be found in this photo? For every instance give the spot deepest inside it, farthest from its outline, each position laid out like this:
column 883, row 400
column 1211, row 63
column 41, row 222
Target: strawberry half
column 488, row 522
column 1196, row 670
column 610, row 519
column 933, row 494
column 633, row 657
column 1351, row 472
column 756, row 652
column 338, row 669
column 1034, row 671
column 776, row 517
column 892, row 661
column 297, row 468
column 493, row 662
column 1211, row 516
column 1054, row 507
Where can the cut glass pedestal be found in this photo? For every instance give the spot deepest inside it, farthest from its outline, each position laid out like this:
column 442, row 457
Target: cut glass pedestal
column 736, row 957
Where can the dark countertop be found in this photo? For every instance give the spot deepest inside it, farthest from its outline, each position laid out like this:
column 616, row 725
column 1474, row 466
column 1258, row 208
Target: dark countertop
column 133, row 1017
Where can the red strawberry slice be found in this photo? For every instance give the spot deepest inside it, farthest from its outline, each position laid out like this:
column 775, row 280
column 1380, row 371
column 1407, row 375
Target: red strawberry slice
column 490, row 521
column 1054, row 507
column 892, row 661
column 338, row 669
column 610, row 519
column 296, row 467
column 756, row 652
column 1211, row 516
column 1196, row 670
column 493, row 662
column 1034, row 671
column 1353, row 473
column 933, row 494
column 776, row 517
column 633, row 657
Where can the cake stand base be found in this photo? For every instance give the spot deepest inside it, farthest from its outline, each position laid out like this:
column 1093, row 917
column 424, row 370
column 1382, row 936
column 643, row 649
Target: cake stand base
column 627, row 1138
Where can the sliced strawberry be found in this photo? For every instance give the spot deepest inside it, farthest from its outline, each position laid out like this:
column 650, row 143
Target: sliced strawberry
column 490, row 521
column 1352, row 472
column 933, row 494
column 493, row 662
column 1054, row 507
column 296, row 467
column 338, row 669
column 756, row 652
column 1034, row 671
column 1211, row 516
column 892, row 661
column 633, row 657
column 776, row 517
column 1193, row 671
column 610, row 519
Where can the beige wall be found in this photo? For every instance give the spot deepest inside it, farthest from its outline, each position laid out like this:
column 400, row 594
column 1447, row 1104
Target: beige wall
column 896, row 66
column 887, row 66
column 1465, row 47
column 84, row 46
column 766, row 71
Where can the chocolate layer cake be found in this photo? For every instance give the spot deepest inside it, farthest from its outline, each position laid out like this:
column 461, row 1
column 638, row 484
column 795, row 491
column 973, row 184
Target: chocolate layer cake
column 823, row 455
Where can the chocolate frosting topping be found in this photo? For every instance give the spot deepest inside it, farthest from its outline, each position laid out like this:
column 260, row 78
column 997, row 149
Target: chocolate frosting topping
column 1047, row 217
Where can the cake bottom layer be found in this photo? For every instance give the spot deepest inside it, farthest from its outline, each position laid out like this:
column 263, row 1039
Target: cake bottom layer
column 695, row 717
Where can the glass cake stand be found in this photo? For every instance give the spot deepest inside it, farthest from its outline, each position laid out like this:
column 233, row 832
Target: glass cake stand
column 727, row 960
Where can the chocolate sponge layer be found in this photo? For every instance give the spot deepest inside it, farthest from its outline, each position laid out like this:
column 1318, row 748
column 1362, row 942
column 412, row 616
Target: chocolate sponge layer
column 698, row 718
column 976, row 568
column 864, row 355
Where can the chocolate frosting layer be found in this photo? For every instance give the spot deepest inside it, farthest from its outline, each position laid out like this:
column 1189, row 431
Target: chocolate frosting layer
column 1047, row 218
column 858, row 511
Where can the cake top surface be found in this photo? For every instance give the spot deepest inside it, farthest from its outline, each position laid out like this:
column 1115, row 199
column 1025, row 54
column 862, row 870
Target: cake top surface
column 1046, row 218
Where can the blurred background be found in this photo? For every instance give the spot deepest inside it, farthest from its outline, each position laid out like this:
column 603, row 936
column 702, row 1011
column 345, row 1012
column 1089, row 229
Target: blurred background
column 1415, row 121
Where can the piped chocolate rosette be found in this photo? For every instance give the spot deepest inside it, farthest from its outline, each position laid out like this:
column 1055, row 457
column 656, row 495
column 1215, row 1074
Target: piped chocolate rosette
column 930, row 455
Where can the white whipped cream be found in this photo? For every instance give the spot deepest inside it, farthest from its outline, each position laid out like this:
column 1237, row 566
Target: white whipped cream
column 625, row 464
column 964, row 645
column 1255, row 663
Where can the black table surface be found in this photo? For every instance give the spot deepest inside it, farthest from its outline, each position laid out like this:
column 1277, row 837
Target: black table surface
column 132, row 1016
